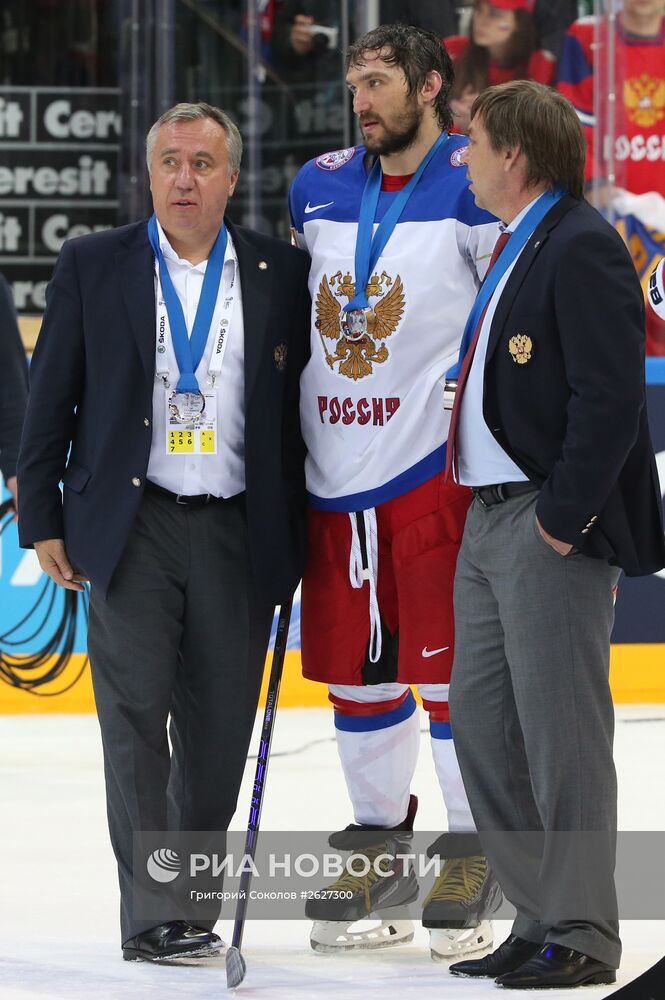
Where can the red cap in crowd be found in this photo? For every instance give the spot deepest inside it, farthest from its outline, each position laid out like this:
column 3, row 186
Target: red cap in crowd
column 514, row 4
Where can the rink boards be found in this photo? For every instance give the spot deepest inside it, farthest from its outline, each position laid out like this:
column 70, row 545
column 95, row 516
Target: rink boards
column 637, row 673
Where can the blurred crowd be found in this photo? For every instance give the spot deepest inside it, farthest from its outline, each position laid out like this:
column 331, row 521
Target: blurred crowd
column 562, row 43
column 559, row 43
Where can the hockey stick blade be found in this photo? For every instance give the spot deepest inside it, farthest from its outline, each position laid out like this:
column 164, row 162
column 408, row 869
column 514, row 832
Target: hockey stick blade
column 235, row 968
column 235, row 963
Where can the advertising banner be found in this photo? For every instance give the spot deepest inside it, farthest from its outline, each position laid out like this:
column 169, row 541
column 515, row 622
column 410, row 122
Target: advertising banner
column 58, row 178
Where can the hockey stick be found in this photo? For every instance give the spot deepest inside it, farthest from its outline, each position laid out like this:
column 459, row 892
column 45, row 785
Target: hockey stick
column 235, row 963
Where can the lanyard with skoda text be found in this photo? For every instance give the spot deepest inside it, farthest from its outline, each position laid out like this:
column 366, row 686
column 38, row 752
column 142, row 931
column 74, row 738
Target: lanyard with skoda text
column 188, row 351
column 221, row 322
column 370, row 247
column 513, row 248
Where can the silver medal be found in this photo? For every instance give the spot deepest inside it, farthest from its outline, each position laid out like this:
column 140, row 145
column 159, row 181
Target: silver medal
column 353, row 323
column 186, row 407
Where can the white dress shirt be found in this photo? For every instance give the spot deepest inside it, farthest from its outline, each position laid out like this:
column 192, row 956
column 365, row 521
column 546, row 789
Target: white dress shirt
column 481, row 461
column 223, row 474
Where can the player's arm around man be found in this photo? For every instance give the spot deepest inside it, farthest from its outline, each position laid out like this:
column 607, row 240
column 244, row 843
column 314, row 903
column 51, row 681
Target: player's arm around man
column 397, row 248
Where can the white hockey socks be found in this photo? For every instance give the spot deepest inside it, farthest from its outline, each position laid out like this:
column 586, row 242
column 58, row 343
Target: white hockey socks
column 460, row 819
column 378, row 743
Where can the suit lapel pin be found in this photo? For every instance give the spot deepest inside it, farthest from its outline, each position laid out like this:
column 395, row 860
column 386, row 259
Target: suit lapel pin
column 520, row 347
column 279, row 357
column 263, row 265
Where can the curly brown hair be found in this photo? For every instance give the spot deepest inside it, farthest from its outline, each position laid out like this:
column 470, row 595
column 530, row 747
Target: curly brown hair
column 417, row 52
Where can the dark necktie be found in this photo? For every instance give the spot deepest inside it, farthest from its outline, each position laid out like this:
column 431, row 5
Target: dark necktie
column 466, row 366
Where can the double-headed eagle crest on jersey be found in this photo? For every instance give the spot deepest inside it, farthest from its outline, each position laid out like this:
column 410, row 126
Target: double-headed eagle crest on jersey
column 644, row 97
column 356, row 350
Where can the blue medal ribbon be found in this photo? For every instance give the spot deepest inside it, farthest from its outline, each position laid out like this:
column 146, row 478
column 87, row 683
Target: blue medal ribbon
column 189, row 351
column 513, row 247
column 369, row 246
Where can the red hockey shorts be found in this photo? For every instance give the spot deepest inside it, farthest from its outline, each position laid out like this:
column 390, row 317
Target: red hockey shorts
column 419, row 534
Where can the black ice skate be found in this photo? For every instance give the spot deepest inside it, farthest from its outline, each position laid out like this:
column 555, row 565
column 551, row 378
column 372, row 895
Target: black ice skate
column 374, row 887
column 462, row 899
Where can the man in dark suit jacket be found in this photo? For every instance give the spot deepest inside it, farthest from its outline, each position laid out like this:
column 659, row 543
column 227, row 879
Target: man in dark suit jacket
column 183, row 490
column 13, row 388
column 552, row 435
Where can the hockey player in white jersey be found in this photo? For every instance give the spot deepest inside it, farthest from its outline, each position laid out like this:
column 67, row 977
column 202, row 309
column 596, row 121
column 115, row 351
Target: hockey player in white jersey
column 398, row 251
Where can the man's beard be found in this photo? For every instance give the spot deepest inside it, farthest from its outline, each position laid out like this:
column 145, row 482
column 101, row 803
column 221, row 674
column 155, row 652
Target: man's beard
column 398, row 138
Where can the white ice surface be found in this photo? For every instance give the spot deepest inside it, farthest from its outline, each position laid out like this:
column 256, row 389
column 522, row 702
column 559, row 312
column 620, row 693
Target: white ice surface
column 58, row 889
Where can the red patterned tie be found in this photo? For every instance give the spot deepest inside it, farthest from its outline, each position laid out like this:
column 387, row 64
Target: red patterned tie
column 466, row 365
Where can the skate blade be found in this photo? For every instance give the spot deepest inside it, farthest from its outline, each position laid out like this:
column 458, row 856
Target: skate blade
column 235, row 968
column 448, row 944
column 329, row 937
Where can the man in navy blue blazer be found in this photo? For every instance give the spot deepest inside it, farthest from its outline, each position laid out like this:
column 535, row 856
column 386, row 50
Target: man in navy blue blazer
column 164, row 395
column 553, row 439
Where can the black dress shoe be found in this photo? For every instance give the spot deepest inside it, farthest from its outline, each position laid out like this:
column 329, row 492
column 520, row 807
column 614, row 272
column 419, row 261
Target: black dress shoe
column 508, row 956
column 175, row 939
column 555, row 965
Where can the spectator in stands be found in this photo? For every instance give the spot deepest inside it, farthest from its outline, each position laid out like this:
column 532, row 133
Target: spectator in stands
column 301, row 52
column 637, row 192
column 501, row 46
column 552, row 18
column 439, row 16
column 213, row 48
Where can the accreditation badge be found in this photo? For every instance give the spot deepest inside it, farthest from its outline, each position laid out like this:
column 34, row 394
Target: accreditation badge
column 191, row 425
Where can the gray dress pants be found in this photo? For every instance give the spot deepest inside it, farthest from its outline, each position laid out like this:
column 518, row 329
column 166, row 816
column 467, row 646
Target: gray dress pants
column 533, row 724
column 179, row 641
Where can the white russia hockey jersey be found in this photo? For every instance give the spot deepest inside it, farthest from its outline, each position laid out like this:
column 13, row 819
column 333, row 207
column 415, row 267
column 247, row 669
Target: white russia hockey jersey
column 372, row 410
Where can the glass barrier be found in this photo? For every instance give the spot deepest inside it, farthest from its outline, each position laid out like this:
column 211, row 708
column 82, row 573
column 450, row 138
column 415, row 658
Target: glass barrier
column 280, row 75
column 60, row 129
column 81, row 83
column 630, row 135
